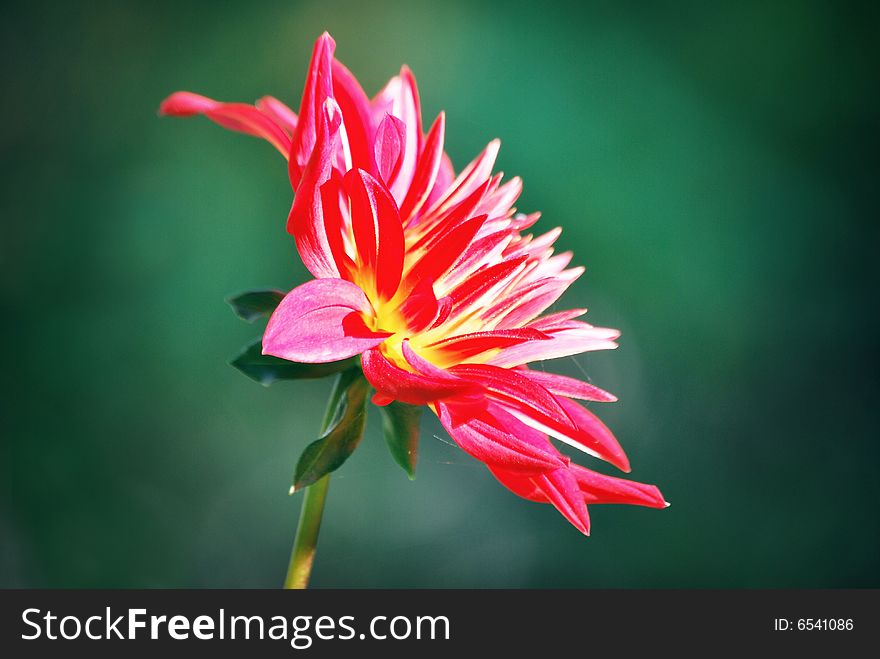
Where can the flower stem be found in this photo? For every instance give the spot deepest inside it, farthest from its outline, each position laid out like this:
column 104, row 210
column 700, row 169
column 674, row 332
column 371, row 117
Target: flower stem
column 306, row 542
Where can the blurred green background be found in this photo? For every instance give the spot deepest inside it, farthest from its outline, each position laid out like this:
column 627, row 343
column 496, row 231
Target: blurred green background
column 714, row 167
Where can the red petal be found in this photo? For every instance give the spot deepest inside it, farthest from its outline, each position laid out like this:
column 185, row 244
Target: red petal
column 483, row 282
column 320, row 321
column 278, row 112
column 234, row 116
column 561, row 344
column 318, row 88
column 356, row 117
column 563, row 492
column 469, row 345
column 426, row 171
column 484, row 434
column 517, row 391
column 306, row 220
column 377, row 230
column 421, row 307
column 446, row 252
column 444, row 179
column 594, row 436
column 519, row 484
column 598, row 488
column 394, row 382
column 562, row 385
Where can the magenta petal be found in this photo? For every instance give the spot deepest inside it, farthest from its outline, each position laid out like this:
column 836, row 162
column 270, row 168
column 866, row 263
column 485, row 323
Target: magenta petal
column 562, row 385
column 319, row 87
column 593, row 435
column 389, row 148
column 485, row 436
column 520, row 484
column 414, row 388
column 278, row 112
column 561, row 489
column 598, row 488
column 320, row 321
column 306, row 221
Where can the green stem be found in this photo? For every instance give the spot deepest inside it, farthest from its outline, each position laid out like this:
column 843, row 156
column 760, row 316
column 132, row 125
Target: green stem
column 306, row 543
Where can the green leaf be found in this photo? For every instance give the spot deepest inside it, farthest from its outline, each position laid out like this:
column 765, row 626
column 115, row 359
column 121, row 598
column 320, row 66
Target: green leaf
column 266, row 369
column 253, row 304
column 344, row 434
column 401, row 425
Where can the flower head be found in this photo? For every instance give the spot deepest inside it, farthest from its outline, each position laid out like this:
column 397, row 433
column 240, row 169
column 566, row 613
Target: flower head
column 427, row 275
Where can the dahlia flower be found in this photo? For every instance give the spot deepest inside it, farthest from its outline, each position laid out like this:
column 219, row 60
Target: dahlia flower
column 428, row 276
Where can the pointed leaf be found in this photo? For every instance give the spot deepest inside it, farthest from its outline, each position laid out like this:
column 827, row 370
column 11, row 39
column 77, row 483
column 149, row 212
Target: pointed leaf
column 330, row 451
column 400, row 423
column 267, row 369
column 253, row 304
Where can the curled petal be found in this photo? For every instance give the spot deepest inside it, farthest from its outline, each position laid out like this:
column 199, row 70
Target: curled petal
column 306, row 220
column 396, row 383
column 319, row 88
column 389, row 148
column 321, row 321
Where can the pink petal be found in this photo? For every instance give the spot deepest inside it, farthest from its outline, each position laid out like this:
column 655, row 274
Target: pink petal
column 400, row 97
column 561, row 344
column 471, row 177
column 389, row 148
column 554, row 320
column 562, row 385
column 445, row 176
column 321, row 321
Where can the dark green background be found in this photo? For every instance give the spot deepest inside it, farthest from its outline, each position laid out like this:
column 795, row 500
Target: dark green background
column 715, row 169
